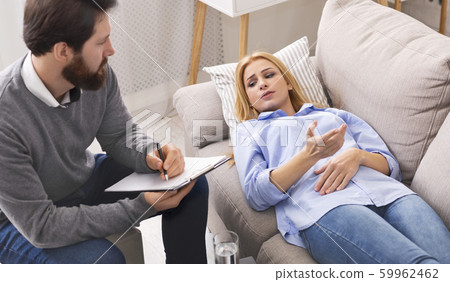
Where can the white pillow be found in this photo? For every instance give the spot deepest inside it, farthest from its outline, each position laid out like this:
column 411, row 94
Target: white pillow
column 295, row 56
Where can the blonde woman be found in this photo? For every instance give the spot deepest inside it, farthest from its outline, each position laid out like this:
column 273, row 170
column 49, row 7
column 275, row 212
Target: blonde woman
column 334, row 184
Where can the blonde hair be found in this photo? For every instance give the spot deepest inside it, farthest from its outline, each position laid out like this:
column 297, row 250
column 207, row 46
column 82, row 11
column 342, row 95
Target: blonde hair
column 243, row 108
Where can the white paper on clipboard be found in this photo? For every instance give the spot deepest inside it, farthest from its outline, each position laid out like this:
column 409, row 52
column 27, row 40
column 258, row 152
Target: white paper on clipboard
column 194, row 168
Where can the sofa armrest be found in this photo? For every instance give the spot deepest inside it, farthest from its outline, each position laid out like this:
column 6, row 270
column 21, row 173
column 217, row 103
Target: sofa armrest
column 200, row 109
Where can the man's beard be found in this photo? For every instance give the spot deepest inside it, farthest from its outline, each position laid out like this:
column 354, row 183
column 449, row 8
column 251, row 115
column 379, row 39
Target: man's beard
column 78, row 73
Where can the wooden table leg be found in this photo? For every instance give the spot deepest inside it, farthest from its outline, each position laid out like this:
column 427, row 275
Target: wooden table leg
column 398, row 5
column 199, row 26
column 383, row 2
column 243, row 36
column 443, row 16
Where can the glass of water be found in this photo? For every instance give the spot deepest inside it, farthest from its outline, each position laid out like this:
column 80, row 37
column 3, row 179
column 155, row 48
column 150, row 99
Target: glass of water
column 226, row 248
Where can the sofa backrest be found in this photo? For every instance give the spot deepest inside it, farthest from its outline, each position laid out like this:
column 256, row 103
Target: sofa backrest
column 390, row 70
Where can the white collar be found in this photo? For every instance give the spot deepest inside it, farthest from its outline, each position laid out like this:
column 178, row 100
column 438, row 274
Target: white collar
column 37, row 87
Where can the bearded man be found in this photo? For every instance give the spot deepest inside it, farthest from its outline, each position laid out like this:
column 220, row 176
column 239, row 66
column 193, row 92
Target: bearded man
column 53, row 103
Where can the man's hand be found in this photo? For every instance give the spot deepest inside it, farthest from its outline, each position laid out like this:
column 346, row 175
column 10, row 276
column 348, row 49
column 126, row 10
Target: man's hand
column 173, row 164
column 338, row 171
column 167, row 200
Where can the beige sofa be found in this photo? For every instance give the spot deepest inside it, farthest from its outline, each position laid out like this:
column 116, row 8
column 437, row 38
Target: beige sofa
column 373, row 61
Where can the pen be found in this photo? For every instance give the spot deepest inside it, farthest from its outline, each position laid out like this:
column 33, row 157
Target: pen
column 158, row 147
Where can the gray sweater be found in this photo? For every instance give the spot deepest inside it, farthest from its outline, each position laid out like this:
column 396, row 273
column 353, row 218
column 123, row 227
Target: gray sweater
column 44, row 158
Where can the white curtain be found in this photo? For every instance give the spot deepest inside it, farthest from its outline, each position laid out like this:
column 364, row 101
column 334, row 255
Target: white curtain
column 12, row 46
column 153, row 41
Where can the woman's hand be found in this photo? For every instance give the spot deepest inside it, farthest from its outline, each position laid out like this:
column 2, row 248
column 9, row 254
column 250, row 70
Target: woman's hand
column 323, row 146
column 338, row 171
column 173, row 161
column 316, row 148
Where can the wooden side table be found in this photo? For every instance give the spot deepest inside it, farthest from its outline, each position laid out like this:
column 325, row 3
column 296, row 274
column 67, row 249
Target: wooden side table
column 231, row 8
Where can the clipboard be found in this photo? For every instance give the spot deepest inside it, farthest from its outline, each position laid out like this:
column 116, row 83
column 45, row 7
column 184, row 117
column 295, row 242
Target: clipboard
column 143, row 182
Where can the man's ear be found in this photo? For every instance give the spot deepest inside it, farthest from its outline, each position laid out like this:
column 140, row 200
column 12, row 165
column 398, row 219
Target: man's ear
column 62, row 52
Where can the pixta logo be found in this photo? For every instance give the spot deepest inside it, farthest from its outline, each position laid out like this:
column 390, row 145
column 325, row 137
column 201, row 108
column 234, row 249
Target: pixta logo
column 146, row 128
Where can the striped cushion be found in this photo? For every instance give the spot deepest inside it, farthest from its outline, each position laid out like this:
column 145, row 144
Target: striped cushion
column 295, row 56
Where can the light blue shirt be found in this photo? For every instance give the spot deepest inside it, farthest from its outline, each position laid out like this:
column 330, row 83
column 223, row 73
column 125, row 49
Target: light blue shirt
column 267, row 143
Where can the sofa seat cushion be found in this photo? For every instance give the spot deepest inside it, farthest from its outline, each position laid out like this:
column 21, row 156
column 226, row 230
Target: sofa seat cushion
column 277, row 251
column 388, row 69
column 431, row 181
column 228, row 199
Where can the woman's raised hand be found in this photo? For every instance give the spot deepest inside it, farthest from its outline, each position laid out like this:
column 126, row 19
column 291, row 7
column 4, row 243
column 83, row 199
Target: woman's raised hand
column 323, row 146
column 317, row 147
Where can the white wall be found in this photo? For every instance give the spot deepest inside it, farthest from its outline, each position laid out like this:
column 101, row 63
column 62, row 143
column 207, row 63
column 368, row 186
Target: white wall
column 273, row 28
column 427, row 12
column 11, row 42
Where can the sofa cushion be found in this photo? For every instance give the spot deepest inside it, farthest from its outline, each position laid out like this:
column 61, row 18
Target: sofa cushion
column 315, row 67
column 199, row 108
column 277, row 251
column 388, row 69
column 131, row 244
column 228, row 199
column 431, row 180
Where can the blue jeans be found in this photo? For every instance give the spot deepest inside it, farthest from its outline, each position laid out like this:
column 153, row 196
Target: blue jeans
column 405, row 231
column 183, row 228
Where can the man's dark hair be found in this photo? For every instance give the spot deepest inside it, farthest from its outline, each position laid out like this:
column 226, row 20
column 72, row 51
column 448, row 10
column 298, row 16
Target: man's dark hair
column 47, row 22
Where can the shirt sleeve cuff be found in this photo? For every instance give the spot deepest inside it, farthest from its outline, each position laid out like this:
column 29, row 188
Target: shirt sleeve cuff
column 143, row 209
column 394, row 167
column 141, row 163
column 267, row 190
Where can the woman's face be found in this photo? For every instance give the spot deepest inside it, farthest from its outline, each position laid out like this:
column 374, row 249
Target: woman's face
column 266, row 87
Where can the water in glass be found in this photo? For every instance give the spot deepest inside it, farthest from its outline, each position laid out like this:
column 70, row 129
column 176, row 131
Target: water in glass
column 226, row 253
